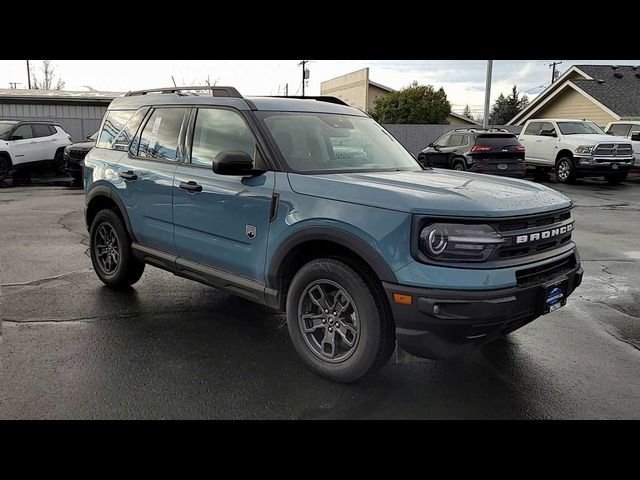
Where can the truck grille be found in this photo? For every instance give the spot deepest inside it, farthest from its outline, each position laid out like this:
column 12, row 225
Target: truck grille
column 548, row 271
column 534, row 234
column 613, row 150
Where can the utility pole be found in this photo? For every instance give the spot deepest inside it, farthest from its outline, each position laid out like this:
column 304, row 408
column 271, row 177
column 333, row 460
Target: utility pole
column 305, row 73
column 487, row 94
column 28, row 75
column 554, row 72
column 14, row 85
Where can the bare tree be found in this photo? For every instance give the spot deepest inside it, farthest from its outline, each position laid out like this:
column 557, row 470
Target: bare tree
column 48, row 78
column 207, row 82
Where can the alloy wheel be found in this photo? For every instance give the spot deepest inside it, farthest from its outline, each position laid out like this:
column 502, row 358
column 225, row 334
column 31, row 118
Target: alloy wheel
column 107, row 248
column 563, row 170
column 329, row 321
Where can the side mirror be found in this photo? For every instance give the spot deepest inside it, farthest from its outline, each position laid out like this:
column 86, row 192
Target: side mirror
column 234, row 163
column 635, row 136
column 430, row 145
column 16, row 137
column 609, row 132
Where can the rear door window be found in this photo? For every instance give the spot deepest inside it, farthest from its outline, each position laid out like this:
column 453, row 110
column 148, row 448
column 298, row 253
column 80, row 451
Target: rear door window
column 533, row 128
column 40, row 130
column 161, row 135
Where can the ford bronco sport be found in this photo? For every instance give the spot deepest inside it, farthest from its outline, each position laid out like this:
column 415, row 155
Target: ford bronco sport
column 311, row 207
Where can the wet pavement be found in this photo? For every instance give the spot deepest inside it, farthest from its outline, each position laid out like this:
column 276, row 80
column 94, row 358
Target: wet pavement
column 171, row 348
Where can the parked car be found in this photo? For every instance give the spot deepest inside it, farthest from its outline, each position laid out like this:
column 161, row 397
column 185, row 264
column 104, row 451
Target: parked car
column 629, row 130
column 25, row 144
column 248, row 195
column 74, row 155
column 494, row 151
column 576, row 148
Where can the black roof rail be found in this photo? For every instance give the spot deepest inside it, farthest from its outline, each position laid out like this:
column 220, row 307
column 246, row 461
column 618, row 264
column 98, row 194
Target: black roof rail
column 215, row 91
column 321, row 98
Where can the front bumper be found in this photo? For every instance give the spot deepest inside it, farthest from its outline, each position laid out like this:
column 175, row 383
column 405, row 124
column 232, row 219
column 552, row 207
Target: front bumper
column 602, row 165
column 441, row 323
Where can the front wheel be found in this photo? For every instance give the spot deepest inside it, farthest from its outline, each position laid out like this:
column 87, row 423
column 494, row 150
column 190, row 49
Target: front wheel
column 616, row 178
column 111, row 253
column 458, row 165
column 336, row 325
column 565, row 171
column 58, row 163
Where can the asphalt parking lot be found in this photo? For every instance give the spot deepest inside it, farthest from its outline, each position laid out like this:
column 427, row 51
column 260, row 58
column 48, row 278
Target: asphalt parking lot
column 171, row 348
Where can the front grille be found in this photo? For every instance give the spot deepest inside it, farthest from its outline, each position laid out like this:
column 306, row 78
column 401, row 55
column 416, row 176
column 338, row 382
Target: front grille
column 548, row 271
column 553, row 230
column 77, row 153
column 613, row 150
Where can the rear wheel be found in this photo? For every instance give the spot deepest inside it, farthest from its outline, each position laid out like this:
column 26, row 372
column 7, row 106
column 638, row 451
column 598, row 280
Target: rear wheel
column 58, row 162
column 565, row 171
column 616, row 178
column 336, row 325
column 4, row 168
column 111, row 253
column 458, row 165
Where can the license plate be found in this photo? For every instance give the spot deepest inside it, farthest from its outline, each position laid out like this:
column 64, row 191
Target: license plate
column 554, row 297
column 502, row 166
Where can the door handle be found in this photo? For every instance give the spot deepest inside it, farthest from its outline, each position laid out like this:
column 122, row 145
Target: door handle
column 191, row 186
column 538, row 141
column 129, row 175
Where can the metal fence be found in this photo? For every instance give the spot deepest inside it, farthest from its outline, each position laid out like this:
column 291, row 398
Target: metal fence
column 416, row 137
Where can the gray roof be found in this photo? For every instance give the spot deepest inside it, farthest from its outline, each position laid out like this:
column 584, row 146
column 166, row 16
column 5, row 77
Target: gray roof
column 54, row 96
column 621, row 95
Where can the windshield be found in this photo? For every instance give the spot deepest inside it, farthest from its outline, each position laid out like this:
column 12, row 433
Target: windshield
column 579, row 128
column 322, row 142
column 5, row 127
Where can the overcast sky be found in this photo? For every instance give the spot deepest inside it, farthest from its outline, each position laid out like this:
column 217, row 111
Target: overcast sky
column 462, row 80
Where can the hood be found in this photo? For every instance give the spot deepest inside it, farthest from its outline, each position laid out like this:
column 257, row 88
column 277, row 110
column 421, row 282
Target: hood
column 597, row 138
column 435, row 192
column 88, row 145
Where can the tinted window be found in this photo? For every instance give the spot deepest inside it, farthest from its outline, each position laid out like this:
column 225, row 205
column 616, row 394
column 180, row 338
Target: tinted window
column 455, row 141
column 52, row 130
column 533, row 128
column 113, row 125
column 547, row 129
column 128, row 131
column 160, row 137
column 465, row 140
column 218, row 130
column 23, row 131
column 496, row 140
column 443, row 141
column 40, row 130
column 619, row 129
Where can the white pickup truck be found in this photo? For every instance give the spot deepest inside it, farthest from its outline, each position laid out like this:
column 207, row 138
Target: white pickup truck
column 576, row 148
column 629, row 130
column 28, row 143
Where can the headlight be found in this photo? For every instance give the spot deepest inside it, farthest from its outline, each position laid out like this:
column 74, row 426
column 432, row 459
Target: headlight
column 451, row 241
column 584, row 149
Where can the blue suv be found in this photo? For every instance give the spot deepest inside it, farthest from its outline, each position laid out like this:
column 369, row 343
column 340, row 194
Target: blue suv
column 310, row 207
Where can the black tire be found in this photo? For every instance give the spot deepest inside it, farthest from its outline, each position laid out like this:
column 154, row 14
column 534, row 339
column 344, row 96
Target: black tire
column 565, row 171
column 58, row 162
column 458, row 165
column 77, row 178
column 423, row 160
column 127, row 270
column 616, row 178
column 374, row 340
column 5, row 167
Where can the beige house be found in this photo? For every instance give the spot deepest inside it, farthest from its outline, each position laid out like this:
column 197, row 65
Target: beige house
column 359, row 91
column 599, row 93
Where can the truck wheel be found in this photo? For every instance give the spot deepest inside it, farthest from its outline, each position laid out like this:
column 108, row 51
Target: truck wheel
column 336, row 325
column 565, row 171
column 616, row 178
column 4, row 168
column 111, row 254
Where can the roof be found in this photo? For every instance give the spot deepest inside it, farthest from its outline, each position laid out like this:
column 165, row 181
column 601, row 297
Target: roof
column 614, row 88
column 462, row 117
column 282, row 104
column 52, row 96
column 379, row 85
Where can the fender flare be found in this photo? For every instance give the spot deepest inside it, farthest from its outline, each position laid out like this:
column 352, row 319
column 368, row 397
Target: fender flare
column 104, row 191
column 341, row 237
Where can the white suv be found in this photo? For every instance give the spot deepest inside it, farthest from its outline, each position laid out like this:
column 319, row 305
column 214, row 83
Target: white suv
column 27, row 143
column 576, row 148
